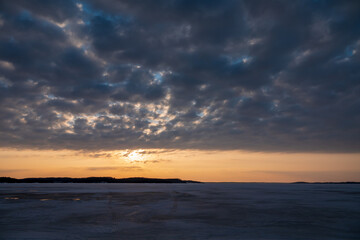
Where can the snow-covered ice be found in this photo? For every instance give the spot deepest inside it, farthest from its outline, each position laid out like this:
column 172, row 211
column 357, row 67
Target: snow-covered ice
column 180, row 211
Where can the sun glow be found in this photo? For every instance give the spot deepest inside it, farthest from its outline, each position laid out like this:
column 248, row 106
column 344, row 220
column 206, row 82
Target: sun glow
column 136, row 156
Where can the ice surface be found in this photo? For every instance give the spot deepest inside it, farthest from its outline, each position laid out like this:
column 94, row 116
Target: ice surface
column 179, row 211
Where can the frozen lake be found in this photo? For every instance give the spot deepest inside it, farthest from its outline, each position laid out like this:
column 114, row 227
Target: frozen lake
column 180, row 211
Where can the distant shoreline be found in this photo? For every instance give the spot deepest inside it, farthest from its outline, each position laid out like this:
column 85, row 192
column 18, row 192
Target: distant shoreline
column 93, row 180
column 135, row 180
column 348, row 182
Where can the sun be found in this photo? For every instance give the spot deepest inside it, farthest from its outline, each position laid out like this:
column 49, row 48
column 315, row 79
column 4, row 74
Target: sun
column 136, row 156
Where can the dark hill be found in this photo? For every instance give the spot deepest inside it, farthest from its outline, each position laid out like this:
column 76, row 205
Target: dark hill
column 93, row 180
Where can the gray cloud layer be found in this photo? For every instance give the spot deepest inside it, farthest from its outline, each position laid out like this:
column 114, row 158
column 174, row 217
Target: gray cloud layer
column 252, row 75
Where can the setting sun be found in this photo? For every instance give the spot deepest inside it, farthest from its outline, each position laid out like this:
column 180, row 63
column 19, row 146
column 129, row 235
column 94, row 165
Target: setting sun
column 136, row 156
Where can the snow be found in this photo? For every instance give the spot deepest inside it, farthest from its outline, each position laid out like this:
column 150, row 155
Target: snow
column 180, row 211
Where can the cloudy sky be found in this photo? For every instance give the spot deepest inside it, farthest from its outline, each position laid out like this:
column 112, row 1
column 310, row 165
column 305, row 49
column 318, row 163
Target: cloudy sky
column 129, row 85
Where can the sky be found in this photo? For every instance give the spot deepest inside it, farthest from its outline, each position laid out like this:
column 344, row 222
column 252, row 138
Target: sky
column 264, row 91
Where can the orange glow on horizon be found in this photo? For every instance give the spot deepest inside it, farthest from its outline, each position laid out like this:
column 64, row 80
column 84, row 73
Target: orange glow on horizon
column 201, row 165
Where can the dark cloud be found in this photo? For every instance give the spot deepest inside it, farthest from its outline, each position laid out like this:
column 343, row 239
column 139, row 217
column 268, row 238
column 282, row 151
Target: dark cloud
column 251, row 75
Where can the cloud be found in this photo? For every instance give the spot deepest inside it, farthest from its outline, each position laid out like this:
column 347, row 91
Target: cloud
column 110, row 75
column 100, row 155
column 123, row 168
column 157, row 161
column 11, row 171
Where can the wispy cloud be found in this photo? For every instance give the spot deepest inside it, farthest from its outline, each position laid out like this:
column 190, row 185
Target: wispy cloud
column 121, row 168
column 9, row 171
